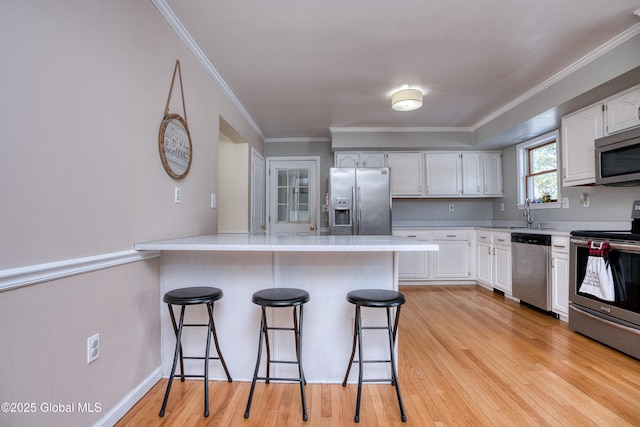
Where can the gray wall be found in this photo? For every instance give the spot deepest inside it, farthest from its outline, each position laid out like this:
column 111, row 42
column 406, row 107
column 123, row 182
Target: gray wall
column 605, row 204
column 406, row 211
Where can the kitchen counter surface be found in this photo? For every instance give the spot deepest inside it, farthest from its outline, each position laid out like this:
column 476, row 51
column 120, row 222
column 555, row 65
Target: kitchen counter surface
column 257, row 243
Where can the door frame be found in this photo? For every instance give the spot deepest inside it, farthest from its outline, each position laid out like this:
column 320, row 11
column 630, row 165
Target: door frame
column 257, row 187
column 293, row 159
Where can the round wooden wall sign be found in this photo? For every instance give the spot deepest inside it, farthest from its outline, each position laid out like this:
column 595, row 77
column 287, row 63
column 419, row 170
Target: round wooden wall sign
column 174, row 142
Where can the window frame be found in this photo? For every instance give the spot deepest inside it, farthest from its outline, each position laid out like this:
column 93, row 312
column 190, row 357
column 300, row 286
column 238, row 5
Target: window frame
column 522, row 152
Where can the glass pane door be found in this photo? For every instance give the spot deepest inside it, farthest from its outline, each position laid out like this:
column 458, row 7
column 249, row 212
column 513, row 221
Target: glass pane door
column 293, row 195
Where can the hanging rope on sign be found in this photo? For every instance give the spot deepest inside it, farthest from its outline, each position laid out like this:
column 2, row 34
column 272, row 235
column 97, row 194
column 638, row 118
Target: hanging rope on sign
column 174, row 140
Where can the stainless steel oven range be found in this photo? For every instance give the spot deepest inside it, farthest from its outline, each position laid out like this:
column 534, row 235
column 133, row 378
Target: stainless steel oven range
column 614, row 323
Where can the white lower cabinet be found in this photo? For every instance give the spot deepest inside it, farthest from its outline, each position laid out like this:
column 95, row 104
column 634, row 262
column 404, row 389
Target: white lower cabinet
column 502, row 264
column 452, row 262
column 484, row 264
column 414, row 265
column 493, row 255
column 560, row 276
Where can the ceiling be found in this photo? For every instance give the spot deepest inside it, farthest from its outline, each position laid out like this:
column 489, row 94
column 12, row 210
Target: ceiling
column 299, row 68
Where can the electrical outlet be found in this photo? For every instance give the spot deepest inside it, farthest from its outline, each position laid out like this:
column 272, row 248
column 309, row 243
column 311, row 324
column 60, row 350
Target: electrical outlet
column 177, row 196
column 93, row 348
column 565, row 203
column 502, row 206
column 584, row 198
column 451, row 207
column 213, row 200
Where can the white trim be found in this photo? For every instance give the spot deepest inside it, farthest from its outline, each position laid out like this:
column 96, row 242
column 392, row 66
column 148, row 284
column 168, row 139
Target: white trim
column 363, row 129
column 585, row 60
column 309, row 139
column 122, row 407
column 182, row 32
column 33, row 274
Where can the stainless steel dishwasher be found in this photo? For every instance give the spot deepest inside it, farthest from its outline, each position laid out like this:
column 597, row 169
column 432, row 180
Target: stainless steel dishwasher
column 530, row 272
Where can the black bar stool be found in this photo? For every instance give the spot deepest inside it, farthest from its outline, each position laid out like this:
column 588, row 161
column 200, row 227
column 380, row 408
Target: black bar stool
column 192, row 296
column 376, row 298
column 278, row 298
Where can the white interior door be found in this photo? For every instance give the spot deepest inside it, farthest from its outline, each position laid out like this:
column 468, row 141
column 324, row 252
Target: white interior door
column 258, row 189
column 293, row 195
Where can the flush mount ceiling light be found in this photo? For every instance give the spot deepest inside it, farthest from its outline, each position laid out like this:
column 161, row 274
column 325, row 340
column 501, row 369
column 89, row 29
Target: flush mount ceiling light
column 406, row 100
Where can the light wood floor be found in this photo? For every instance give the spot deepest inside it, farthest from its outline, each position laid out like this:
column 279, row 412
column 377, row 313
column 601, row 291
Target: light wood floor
column 467, row 357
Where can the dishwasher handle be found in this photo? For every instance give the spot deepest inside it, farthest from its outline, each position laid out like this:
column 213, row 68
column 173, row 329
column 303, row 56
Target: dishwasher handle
column 531, row 239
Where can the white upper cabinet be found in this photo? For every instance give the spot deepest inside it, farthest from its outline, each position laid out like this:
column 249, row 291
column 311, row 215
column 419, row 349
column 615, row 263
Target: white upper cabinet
column 623, row 111
column 406, row 173
column 443, row 172
column 359, row 160
column 472, row 179
column 579, row 131
column 482, row 173
column 423, row 174
column 492, row 173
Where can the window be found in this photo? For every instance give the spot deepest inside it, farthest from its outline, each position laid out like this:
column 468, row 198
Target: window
column 538, row 171
column 541, row 179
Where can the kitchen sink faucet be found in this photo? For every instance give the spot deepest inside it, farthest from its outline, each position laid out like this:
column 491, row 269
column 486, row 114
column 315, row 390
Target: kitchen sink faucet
column 527, row 212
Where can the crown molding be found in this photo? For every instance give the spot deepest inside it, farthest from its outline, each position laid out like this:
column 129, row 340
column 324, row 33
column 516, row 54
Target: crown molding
column 364, row 129
column 590, row 57
column 184, row 35
column 309, row 139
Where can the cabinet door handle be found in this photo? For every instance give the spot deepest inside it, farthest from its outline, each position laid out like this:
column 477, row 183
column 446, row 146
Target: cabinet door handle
column 494, row 251
column 639, row 112
column 412, row 236
column 451, row 235
column 500, row 240
column 489, row 250
column 559, row 246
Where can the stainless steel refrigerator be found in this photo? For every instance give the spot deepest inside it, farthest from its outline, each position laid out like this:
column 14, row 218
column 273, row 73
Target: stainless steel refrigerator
column 360, row 201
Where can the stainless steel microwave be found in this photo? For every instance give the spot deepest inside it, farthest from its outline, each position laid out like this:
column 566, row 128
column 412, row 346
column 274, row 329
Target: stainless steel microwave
column 618, row 159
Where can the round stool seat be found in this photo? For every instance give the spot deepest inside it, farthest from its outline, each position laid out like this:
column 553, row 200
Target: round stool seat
column 192, row 295
column 280, row 297
column 375, row 298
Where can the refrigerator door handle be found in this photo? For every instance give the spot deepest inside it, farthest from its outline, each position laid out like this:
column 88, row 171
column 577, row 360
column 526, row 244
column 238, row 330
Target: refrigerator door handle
column 359, row 210
column 354, row 212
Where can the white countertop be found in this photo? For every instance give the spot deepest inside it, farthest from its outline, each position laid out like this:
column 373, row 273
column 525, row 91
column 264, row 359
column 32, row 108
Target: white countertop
column 246, row 242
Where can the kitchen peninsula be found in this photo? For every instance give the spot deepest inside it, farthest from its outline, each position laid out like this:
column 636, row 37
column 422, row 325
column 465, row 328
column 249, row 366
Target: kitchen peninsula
column 326, row 266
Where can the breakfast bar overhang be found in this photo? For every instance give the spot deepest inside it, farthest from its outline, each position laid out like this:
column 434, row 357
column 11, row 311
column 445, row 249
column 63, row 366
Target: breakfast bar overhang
column 326, row 266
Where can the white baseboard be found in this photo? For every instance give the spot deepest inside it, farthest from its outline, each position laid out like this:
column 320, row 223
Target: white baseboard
column 122, row 407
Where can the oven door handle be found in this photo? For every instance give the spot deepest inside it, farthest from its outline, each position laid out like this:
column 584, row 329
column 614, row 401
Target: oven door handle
column 614, row 246
column 608, row 322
